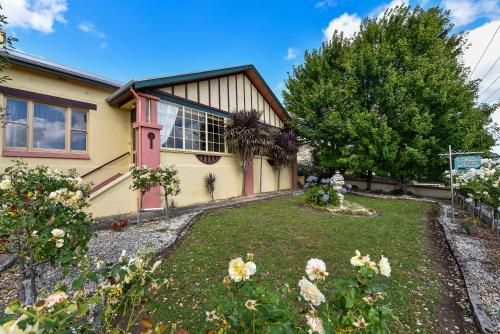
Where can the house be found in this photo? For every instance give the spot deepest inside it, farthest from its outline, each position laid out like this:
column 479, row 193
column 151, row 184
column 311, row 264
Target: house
column 65, row 118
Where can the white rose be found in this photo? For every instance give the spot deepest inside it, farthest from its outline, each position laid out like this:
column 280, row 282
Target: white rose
column 359, row 260
column 384, row 266
column 6, row 184
column 316, row 269
column 241, row 271
column 310, row 292
column 59, row 243
column 57, row 233
column 315, row 324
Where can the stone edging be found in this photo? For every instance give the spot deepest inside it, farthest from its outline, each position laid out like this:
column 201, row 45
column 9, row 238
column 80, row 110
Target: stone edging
column 481, row 318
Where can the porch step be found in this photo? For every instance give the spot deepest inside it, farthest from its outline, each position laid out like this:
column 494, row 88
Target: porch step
column 105, row 182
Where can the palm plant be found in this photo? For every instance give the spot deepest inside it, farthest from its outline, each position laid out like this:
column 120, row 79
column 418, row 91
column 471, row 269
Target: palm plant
column 210, row 184
column 246, row 137
column 283, row 150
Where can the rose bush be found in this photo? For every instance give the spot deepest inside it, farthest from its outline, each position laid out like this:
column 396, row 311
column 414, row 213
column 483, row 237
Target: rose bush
column 335, row 305
column 122, row 296
column 43, row 219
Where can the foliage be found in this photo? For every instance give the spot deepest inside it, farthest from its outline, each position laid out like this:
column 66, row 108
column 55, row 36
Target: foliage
column 143, row 179
column 355, row 306
column 246, row 136
column 481, row 184
column 307, row 170
column 6, row 43
column 168, row 179
column 43, row 218
column 122, row 300
column 283, row 149
column 210, row 180
column 469, row 224
column 322, row 195
column 391, row 98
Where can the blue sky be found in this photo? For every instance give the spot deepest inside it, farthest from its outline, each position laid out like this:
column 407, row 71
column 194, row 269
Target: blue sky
column 133, row 39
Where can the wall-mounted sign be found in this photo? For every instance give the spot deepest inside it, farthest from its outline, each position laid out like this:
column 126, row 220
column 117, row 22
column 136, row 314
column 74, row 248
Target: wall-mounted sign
column 464, row 163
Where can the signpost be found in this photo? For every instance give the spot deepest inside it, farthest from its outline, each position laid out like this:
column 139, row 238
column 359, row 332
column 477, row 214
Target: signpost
column 463, row 162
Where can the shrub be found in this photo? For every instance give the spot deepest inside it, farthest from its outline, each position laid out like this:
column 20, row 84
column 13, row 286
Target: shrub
column 42, row 220
column 210, row 184
column 353, row 305
column 469, row 225
column 323, row 195
column 307, row 170
column 122, row 298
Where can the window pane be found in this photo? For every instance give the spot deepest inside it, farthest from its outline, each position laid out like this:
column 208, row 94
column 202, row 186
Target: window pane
column 17, row 111
column 15, row 135
column 49, row 127
column 78, row 140
column 79, row 119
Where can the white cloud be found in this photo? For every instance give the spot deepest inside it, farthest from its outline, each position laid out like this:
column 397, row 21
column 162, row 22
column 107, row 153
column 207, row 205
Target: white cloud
column 324, row 4
column 292, row 54
column 379, row 11
column 103, row 45
column 90, row 28
column 463, row 12
column 347, row 23
column 38, row 15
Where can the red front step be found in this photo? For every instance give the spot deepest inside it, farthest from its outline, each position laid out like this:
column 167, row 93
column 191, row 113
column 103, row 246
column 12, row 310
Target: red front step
column 105, row 182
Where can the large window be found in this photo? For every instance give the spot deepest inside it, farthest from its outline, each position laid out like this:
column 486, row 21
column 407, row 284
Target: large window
column 36, row 126
column 190, row 129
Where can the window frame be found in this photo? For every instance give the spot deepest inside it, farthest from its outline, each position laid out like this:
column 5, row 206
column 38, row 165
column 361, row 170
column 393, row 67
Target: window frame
column 30, row 109
column 184, row 149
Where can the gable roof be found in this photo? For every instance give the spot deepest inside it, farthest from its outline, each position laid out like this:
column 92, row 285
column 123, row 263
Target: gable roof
column 157, row 82
column 41, row 64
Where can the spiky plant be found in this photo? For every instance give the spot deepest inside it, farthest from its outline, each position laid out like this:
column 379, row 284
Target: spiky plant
column 283, row 150
column 210, row 184
column 246, row 137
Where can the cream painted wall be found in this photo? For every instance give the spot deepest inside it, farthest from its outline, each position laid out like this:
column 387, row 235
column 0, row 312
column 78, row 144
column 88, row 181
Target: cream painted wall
column 192, row 173
column 115, row 198
column 270, row 176
column 108, row 128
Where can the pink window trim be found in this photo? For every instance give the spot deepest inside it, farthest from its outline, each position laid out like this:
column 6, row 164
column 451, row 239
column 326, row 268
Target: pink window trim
column 55, row 155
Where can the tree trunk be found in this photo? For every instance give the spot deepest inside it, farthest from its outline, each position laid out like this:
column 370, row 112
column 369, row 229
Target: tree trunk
column 260, row 176
column 279, row 174
column 20, row 279
column 140, row 208
column 166, row 204
column 369, row 181
column 404, row 188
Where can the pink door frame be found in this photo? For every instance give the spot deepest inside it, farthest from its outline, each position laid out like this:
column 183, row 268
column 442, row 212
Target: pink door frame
column 147, row 132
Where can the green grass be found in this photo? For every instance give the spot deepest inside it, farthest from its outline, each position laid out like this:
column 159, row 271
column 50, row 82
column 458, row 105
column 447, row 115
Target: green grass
column 283, row 236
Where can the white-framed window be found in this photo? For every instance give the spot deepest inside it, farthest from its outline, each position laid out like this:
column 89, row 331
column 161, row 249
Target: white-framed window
column 186, row 128
column 35, row 126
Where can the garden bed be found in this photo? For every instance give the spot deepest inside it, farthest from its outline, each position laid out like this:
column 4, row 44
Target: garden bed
column 425, row 288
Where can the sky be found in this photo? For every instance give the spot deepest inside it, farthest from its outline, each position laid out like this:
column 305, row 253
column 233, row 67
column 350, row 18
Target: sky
column 127, row 39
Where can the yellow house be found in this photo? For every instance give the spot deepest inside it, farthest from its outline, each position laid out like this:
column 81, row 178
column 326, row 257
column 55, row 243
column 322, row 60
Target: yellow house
column 65, row 118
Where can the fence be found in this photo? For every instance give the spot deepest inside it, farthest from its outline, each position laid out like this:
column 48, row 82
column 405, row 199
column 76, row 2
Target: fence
column 484, row 212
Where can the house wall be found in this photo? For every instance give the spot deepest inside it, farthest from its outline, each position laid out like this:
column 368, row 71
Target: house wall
column 108, row 127
column 105, row 201
column 227, row 93
column 228, row 173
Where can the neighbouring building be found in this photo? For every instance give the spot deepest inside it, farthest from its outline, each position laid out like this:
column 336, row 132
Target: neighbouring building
column 65, row 118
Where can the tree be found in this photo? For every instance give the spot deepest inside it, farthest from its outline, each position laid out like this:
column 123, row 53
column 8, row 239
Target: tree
column 6, row 42
column 405, row 97
column 283, row 150
column 247, row 137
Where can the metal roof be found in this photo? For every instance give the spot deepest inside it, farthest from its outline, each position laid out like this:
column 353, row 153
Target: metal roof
column 22, row 58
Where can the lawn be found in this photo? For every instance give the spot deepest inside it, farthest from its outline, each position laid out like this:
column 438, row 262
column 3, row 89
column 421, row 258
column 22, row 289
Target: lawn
column 283, row 236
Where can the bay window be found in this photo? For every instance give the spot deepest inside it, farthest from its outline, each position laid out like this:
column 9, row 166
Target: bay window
column 34, row 126
column 190, row 129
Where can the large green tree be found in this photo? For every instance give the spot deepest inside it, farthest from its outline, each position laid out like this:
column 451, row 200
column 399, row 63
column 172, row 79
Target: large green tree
column 390, row 99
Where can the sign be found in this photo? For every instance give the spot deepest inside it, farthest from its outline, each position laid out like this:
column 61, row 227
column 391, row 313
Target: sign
column 464, row 163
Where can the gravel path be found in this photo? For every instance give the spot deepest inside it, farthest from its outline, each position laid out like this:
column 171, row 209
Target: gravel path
column 478, row 257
